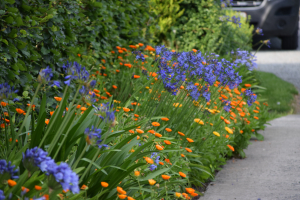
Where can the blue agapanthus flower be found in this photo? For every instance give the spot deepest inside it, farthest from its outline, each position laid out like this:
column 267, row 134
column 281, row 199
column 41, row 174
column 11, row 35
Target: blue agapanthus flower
column 7, row 169
column 251, row 97
column 46, row 74
column 104, row 112
column 64, row 175
column 35, row 159
column 6, row 91
column 75, row 71
column 2, row 197
column 94, row 136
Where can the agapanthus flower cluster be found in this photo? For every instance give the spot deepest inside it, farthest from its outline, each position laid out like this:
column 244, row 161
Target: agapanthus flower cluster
column 226, row 3
column 46, row 74
column 236, row 20
column 94, row 136
column 153, row 166
column 251, row 97
column 259, row 31
column 75, row 71
column 37, row 159
column 139, row 56
column 244, row 58
column 62, row 174
column 2, row 197
column 7, row 170
column 104, row 112
column 6, row 91
column 187, row 68
column 227, row 105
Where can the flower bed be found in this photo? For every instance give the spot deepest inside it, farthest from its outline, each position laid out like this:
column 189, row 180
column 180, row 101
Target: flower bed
column 148, row 123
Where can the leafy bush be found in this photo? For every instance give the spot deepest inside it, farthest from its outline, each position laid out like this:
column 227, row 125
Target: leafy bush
column 204, row 26
column 35, row 34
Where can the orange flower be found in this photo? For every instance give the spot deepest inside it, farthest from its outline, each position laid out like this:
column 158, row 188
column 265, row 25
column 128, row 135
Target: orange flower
column 120, row 190
column 182, row 155
column 149, row 160
column 230, row 147
column 58, row 98
column 140, row 44
column 47, row 121
column 151, row 131
column 4, row 104
column 20, row 111
column 189, row 190
column 122, row 196
column 117, row 70
column 247, row 85
column 194, row 194
column 189, row 140
column 137, row 173
column 120, row 51
column 130, row 198
column 136, row 76
column 177, row 194
column 227, row 136
column 126, row 109
column 83, row 187
column 158, row 147
column 165, row 177
column 136, row 115
column 128, row 65
column 158, row 135
column 155, row 124
column 140, row 131
column 131, row 131
column 241, row 131
column 180, row 133
column 161, row 163
column 188, row 150
column 33, row 106
column 165, row 119
column 104, row 184
column 226, row 121
column 37, row 187
column 83, row 108
column 151, row 181
column 168, row 129
column 182, row 174
column 78, row 54
column 2, row 125
column 11, row 183
column 167, row 142
column 51, row 113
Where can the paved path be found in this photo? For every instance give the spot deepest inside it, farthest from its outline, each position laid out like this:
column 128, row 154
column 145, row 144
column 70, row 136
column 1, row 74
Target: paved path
column 271, row 170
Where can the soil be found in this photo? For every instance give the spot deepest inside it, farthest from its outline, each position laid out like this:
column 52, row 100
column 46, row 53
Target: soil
column 296, row 104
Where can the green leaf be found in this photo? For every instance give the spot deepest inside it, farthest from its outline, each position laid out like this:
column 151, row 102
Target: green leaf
column 4, row 41
column 9, row 19
column 154, row 174
column 2, row 12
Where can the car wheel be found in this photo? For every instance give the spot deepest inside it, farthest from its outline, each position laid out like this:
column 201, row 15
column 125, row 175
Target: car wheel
column 290, row 42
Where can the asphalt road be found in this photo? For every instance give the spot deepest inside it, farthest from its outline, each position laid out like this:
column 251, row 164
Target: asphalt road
column 285, row 64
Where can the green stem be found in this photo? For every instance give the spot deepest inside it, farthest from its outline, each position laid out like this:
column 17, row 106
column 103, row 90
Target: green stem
column 223, row 42
column 140, row 189
column 79, row 158
column 28, row 110
column 51, row 124
column 90, row 165
column 166, row 190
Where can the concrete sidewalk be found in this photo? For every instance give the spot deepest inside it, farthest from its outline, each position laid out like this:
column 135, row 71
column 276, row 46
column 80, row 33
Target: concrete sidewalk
column 271, row 170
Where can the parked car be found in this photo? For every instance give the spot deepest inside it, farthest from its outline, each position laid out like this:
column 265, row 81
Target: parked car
column 277, row 18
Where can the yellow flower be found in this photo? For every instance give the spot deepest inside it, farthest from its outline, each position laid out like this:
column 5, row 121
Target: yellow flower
column 199, row 121
column 151, row 181
column 229, row 130
column 216, row 133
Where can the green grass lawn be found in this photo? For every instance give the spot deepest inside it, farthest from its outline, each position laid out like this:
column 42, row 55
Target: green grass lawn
column 279, row 94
